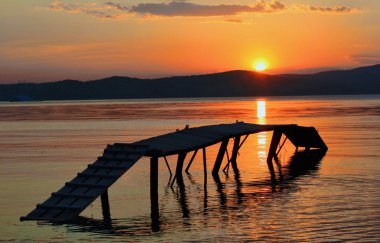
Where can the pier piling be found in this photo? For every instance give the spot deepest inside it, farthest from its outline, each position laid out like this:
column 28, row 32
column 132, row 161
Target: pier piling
column 154, row 194
column 234, row 154
column 105, row 206
column 219, row 157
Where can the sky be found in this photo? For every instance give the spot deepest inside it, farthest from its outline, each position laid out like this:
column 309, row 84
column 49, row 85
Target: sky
column 44, row 40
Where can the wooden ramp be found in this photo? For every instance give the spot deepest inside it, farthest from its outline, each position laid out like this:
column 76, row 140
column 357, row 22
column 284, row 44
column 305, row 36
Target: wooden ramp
column 94, row 181
column 80, row 192
column 307, row 137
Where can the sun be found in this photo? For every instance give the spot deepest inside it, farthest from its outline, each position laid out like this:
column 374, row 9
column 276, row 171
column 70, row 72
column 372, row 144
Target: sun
column 260, row 65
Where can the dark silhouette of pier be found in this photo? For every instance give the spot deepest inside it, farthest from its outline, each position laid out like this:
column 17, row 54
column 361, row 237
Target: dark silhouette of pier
column 68, row 202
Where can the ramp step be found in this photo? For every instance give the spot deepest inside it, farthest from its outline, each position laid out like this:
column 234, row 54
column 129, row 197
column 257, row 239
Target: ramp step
column 47, row 206
column 71, row 195
column 99, row 176
column 75, row 184
column 122, row 150
column 114, row 158
column 108, row 167
column 83, row 174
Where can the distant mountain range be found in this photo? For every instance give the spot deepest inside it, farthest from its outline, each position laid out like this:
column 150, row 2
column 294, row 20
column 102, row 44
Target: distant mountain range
column 364, row 80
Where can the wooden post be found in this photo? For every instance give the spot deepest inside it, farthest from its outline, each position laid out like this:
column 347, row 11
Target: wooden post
column 205, row 180
column 167, row 165
column 235, row 150
column 219, row 157
column 105, row 206
column 282, row 145
column 245, row 138
column 204, row 167
column 154, row 194
column 191, row 161
column 228, row 162
column 273, row 148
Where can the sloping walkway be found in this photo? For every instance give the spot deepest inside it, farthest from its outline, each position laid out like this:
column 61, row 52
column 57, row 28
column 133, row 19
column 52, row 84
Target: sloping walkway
column 79, row 193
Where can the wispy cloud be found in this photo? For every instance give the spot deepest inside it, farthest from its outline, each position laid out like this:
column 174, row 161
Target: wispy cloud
column 366, row 59
column 100, row 11
column 336, row 9
column 117, row 6
column 181, row 8
column 237, row 21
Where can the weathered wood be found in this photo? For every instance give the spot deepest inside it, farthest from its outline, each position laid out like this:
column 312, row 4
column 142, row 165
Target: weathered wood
column 97, row 175
column 204, row 166
column 105, row 206
column 220, row 156
column 306, row 137
column 228, row 162
column 154, row 194
column 282, row 145
column 235, row 151
column 191, row 161
column 245, row 138
column 167, row 165
column 48, row 206
column 75, row 184
column 71, row 195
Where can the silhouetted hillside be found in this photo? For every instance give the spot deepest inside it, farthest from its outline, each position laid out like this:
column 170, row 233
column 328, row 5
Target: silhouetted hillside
column 364, row 80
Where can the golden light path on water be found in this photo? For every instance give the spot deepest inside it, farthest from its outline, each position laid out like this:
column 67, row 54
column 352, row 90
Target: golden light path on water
column 261, row 137
column 261, row 109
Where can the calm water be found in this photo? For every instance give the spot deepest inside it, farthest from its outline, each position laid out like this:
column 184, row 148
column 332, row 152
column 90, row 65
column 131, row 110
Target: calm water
column 335, row 197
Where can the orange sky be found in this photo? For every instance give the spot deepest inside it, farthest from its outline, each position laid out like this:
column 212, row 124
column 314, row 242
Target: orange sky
column 52, row 40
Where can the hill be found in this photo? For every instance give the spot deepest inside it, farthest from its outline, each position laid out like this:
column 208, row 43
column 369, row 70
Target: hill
column 364, row 80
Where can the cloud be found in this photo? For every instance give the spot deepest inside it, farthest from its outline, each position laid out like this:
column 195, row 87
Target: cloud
column 117, row 6
column 183, row 8
column 366, row 59
column 277, row 5
column 336, row 9
column 238, row 21
column 100, row 11
column 111, row 10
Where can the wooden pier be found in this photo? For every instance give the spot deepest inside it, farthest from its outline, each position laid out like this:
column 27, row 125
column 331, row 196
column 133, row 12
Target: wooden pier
column 76, row 195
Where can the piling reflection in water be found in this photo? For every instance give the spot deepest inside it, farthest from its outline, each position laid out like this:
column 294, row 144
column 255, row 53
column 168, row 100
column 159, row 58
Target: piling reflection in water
column 242, row 194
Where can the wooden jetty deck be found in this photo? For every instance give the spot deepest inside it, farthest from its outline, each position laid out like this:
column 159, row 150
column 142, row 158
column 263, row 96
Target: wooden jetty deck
column 76, row 195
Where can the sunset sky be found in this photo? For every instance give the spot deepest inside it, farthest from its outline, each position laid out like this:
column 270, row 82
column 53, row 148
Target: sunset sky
column 54, row 40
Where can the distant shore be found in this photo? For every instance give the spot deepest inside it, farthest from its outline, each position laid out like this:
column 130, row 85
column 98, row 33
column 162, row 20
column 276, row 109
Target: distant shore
column 364, row 80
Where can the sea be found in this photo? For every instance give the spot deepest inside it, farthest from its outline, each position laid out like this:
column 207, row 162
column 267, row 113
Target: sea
column 326, row 197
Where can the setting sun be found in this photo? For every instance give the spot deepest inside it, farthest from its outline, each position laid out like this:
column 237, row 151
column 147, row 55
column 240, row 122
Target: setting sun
column 260, row 65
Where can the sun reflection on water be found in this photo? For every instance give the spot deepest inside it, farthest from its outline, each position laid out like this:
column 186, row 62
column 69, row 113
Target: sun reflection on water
column 261, row 108
column 261, row 137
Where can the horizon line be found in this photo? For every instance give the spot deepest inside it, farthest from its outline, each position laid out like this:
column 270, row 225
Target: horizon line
column 298, row 72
